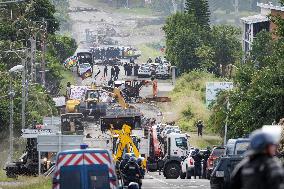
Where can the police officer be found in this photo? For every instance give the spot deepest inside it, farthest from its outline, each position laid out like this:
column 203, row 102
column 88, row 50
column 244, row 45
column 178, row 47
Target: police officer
column 124, row 162
column 199, row 128
column 197, row 157
column 133, row 185
column 205, row 159
column 260, row 169
column 131, row 172
column 139, row 162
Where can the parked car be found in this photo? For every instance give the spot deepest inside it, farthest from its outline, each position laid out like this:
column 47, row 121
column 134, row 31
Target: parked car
column 144, row 71
column 162, row 72
column 187, row 166
column 216, row 153
column 234, row 153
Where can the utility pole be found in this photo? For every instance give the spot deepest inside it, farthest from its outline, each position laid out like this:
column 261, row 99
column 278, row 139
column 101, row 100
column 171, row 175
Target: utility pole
column 32, row 58
column 11, row 124
column 236, row 5
column 24, row 90
column 43, row 47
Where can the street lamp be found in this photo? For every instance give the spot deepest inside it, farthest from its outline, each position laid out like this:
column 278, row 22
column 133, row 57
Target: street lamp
column 11, row 95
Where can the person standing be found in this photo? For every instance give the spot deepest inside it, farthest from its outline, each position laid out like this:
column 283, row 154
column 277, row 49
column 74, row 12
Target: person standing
column 199, row 128
column 260, row 169
column 112, row 72
column 197, row 157
column 116, row 71
column 105, row 71
column 206, row 155
column 155, row 87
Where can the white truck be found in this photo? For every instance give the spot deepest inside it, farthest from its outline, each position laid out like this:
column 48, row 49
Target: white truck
column 169, row 158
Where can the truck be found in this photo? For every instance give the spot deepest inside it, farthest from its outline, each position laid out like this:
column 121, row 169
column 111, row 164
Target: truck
column 166, row 153
column 85, row 168
column 27, row 164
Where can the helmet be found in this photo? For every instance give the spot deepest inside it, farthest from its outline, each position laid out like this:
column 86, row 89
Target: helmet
column 132, row 160
column 259, row 140
column 139, row 161
column 133, row 185
column 127, row 156
column 196, row 150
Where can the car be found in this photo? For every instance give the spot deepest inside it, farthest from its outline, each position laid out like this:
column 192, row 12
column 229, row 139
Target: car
column 234, row 153
column 187, row 165
column 216, row 153
column 144, row 71
column 162, row 72
column 83, row 68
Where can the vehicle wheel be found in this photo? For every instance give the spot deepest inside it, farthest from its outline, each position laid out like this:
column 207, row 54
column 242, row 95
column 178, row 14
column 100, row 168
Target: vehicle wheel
column 172, row 170
column 182, row 175
column 10, row 174
column 188, row 174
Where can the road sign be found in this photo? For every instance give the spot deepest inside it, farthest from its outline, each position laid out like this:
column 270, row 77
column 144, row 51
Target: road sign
column 57, row 143
column 213, row 88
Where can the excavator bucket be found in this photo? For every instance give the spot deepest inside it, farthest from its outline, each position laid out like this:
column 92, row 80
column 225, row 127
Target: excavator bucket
column 116, row 123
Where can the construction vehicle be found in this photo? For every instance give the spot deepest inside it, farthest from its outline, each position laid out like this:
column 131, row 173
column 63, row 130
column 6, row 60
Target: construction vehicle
column 166, row 153
column 94, row 103
column 27, row 164
column 130, row 89
column 72, row 123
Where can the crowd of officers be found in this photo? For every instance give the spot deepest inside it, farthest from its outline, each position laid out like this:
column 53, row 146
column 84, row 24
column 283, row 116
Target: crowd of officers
column 108, row 53
column 200, row 162
column 131, row 171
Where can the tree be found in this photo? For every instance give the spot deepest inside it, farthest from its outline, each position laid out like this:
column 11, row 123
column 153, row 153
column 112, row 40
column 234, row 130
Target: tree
column 225, row 41
column 258, row 96
column 200, row 10
column 182, row 41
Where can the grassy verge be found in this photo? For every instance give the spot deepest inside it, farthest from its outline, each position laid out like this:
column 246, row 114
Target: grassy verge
column 67, row 77
column 29, row 183
column 148, row 51
column 204, row 141
column 188, row 101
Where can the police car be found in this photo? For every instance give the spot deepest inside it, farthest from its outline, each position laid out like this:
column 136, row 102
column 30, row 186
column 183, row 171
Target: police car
column 84, row 169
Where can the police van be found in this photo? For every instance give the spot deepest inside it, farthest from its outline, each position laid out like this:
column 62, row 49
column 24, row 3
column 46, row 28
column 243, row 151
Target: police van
column 85, row 169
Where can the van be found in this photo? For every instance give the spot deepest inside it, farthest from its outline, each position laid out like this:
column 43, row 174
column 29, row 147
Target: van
column 85, row 169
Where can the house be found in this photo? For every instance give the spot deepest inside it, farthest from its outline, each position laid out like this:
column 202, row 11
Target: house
column 252, row 25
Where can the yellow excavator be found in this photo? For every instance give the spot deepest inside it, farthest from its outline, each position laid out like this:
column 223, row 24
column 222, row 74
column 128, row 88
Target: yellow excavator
column 121, row 123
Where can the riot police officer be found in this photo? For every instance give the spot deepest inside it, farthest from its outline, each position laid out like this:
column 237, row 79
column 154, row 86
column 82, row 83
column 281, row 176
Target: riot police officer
column 206, row 155
column 260, row 169
column 197, row 157
column 139, row 162
column 131, row 172
column 124, row 162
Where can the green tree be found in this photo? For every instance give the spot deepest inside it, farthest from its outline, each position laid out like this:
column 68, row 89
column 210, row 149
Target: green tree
column 200, row 10
column 228, row 50
column 182, row 41
column 258, row 95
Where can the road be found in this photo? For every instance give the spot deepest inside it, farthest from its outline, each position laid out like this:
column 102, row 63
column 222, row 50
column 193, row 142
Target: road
column 156, row 181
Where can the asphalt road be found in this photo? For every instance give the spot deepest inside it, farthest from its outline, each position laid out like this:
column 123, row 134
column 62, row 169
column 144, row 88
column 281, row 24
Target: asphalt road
column 156, row 181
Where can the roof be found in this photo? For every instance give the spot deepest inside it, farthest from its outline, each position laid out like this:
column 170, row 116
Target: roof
column 87, row 150
column 255, row 19
column 270, row 6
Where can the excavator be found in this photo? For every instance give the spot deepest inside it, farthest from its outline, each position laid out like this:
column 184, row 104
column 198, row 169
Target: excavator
column 120, row 121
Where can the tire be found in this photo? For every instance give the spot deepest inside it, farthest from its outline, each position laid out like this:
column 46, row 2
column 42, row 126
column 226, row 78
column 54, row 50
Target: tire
column 172, row 170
